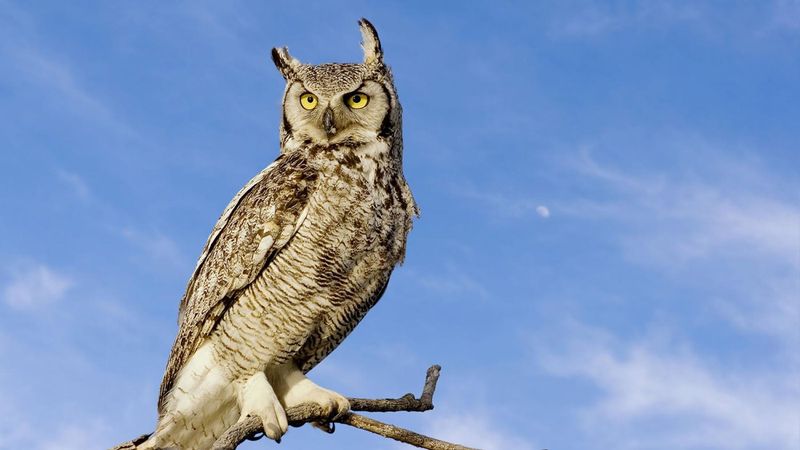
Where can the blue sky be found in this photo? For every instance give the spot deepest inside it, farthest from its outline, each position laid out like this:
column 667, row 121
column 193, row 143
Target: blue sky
column 609, row 249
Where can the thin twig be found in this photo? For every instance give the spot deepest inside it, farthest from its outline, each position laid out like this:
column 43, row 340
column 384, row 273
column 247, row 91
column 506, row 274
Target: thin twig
column 397, row 433
column 405, row 403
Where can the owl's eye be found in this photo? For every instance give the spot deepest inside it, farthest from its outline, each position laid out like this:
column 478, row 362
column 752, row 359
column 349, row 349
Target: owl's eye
column 308, row 101
column 357, row 100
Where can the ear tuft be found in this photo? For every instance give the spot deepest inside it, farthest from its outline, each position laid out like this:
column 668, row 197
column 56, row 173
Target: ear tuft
column 373, row 54
column 285, row 63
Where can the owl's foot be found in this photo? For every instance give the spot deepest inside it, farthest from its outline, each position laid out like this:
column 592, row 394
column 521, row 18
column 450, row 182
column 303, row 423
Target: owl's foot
column 295, row 389
column 258, row 399
column 333, row 405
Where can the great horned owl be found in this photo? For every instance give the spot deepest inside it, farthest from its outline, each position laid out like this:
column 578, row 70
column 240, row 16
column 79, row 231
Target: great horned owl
column 297, row 258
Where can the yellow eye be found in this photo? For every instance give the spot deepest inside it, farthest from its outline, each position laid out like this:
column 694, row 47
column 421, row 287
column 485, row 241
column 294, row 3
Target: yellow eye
column 308, row 101
column 357, row 100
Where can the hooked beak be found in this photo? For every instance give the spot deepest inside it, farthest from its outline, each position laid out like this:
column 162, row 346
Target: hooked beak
column 327, row 122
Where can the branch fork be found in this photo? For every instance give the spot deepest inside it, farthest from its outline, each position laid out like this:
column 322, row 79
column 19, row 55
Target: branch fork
column 251, row 429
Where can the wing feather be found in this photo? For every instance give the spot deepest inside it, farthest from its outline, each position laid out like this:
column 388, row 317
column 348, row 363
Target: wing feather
column 259, row 221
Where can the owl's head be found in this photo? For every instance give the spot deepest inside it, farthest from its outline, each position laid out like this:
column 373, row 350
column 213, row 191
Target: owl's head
column 337, row 102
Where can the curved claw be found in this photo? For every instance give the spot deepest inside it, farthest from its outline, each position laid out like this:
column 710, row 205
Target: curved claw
column 327, row 427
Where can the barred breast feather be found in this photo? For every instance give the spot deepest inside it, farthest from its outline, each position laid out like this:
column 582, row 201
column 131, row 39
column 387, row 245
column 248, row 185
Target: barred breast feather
column 257, row 223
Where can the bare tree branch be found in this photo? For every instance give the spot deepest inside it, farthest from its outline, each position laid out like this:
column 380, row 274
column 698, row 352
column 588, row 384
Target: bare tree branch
column 251, row 429
column 397, row 433
column 405, row 403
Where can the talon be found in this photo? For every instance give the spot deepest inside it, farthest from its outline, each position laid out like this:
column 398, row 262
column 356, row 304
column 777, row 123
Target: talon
column 256, row 436
column 327, row 427
column 297, row 389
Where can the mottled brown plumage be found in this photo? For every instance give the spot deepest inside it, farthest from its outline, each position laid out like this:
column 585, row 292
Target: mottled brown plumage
column 269, row 207
column 297, row 258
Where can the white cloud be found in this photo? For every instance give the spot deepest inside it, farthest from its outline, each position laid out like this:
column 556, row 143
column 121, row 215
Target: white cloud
column 772, row 308
column 734, row 223
column 75, row 437
column 590, row 19
column 475, row 430
column 596, row 18
column 693, row 403
column 14, row 432
column 28, row 61
column 452, row 282
column 76, row 184
column 501, row 204
column 157, row 246
column 702, row 220
column 543, row 211
column 35, row 286
column 727, row 228
column 19, row 432
column 786, row 15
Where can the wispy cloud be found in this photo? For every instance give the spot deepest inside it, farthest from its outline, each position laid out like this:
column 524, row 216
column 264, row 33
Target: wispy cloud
column 157, row 246
column 478, row 430
column 76, row 436
column 451, row 282
column 75, row 183
column 46, row 70
column 785, row 15
column 214, row 24
column 770, row 307
column 26, row 60
column 694, row 403
column 592, row 19
column 17, row 431
column 35, row 286
column 503, row 205
column 682, row 218
column 74, row 326
column 596, row 18
column 736, row 224
column 14, row 431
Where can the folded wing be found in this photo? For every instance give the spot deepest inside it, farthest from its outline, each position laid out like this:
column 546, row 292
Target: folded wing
column 260, row 220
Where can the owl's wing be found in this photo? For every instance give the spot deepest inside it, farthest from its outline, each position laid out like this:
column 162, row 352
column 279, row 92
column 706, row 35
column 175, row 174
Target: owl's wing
column 258, row 222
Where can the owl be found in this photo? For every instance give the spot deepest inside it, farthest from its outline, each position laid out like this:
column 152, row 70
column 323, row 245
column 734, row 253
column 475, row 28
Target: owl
column 297, row 258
